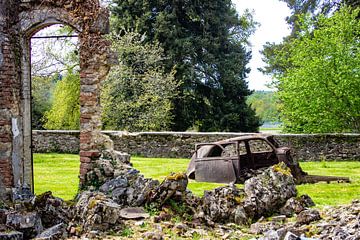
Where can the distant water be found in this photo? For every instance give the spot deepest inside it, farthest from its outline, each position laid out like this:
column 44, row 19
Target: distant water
column 271, row 125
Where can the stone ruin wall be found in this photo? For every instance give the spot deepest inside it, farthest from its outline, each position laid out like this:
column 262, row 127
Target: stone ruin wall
column 19, row 21
column 307, row 147
column 9, row 90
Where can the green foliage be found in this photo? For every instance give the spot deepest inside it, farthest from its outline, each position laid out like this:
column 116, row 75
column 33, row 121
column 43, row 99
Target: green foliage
column 265, row 105
column 179, row 207
column 179, row 210
column 320, row 91
column 277, row 56
column 65, row 108
column 205, row 42
column 42, row 88
column 152, row 209
column 126, row 232
column 137, row 95
column 314, row 8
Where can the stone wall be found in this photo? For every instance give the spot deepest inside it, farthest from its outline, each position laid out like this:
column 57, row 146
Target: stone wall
column 308, row 147
column 56, row 141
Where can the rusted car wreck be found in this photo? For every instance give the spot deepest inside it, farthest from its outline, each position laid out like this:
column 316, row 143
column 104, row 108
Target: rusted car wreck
column 237, row 159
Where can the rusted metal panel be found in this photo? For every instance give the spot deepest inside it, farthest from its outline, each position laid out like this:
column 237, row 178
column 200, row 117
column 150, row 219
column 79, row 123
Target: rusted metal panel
column 219, row 171
column 237, row 159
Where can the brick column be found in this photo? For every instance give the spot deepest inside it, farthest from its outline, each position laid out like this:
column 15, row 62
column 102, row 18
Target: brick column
column 9, row 89
column 94, row 68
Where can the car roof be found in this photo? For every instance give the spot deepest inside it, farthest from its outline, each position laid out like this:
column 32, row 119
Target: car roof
column 245, row 137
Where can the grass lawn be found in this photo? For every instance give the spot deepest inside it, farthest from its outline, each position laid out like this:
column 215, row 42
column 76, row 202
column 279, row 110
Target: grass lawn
column 270, row 128
column 59, row 173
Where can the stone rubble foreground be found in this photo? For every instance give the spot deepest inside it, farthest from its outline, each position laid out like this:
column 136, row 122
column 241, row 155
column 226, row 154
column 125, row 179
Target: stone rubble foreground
column 125, row 194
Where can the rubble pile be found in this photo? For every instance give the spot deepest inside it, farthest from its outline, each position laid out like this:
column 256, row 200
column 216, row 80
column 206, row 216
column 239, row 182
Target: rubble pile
column 29, row 217
column 263, row 195
column 296, row 205
column 52, row 210
column 129, row 188
column 110, row 164
column 94, row 212
column 115, row 201
column 341, row 222
column 124, row 195
column 224, row 204
column 269, row 191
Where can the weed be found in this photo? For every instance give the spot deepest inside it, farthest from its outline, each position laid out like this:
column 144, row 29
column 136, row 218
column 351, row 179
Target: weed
column 196, row 236
column 182, row 211
column 111, row 232
column 179, row 207
column 2, row 204
column 144, row 225
column 126, row 232
column 171, row 234
column 151, row 209
column 177, row 219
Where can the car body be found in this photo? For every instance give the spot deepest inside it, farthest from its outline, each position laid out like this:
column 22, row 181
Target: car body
column 236, row 159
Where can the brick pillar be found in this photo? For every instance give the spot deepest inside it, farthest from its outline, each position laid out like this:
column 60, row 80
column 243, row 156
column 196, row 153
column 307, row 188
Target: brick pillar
column 94, row 68
column 9, row 89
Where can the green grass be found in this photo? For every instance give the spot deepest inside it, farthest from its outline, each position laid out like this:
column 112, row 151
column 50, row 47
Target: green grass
column 270, row 128
column 59, row 173
column 333, row 193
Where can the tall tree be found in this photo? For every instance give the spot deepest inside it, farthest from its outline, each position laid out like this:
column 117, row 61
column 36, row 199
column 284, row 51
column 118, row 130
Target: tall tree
column 65, row 109
column 137, row 93
column 320, row 91
column 205, row 42
column 314, row 8
column 42, row 89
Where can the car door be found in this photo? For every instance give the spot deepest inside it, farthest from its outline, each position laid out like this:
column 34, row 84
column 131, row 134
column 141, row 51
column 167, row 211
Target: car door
column 262, row 153
column 217, row 165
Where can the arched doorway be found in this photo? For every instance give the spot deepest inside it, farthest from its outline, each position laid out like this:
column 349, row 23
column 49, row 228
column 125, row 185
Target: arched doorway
column 55, row 91
column 91, row 21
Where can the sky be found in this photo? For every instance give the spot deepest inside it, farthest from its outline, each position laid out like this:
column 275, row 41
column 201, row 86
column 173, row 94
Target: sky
column 271, row 15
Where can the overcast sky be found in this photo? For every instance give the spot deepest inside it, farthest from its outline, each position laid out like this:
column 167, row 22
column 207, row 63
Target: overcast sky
column 271, row 15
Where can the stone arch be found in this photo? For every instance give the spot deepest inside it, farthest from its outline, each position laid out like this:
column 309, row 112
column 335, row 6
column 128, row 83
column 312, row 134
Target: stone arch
column 36, row 19
column 91, row 22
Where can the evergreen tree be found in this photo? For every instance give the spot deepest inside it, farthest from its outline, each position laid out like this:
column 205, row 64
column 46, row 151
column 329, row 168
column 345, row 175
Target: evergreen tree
column 205, row 42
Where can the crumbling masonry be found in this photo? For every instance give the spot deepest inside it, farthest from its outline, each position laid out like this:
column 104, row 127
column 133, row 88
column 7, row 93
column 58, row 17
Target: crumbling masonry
column 19, row 21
